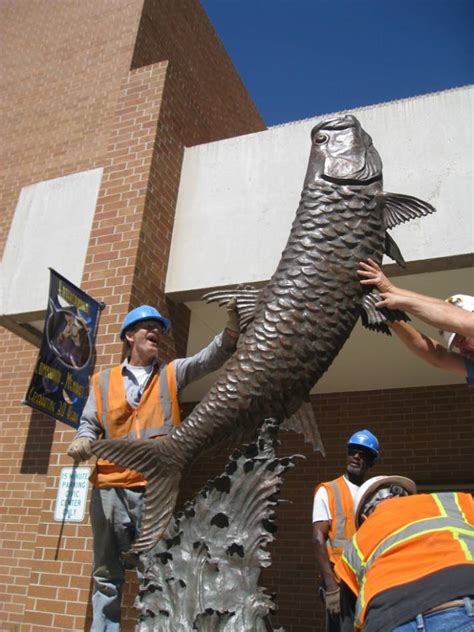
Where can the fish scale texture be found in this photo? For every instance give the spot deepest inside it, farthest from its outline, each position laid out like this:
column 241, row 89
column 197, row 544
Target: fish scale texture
column 303, row 317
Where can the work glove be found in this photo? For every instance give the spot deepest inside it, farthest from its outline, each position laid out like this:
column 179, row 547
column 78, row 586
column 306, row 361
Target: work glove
column 333, row 602
column 233, row 320
column 80, row 449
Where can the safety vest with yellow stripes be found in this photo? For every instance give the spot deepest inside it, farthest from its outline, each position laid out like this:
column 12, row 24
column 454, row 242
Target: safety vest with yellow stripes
column 155, row 415
column 405, row 540
column 341, row 506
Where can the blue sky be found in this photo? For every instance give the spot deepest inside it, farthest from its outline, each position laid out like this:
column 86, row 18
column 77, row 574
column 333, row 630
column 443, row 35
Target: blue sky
column 300, row 58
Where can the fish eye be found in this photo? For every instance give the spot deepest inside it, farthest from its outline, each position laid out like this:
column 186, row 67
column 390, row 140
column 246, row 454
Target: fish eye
column 320, row 139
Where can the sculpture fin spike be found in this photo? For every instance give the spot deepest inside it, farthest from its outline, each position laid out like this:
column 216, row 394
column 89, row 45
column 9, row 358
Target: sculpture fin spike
column 145, row 457
column 374, row 318
column 304, row 422
column 400, row 208
column 393, row 251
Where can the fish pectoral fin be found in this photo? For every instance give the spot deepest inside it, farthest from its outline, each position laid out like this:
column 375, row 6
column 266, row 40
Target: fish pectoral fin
column 400, row 208
column 393, row 251
column 304, row 422
column 374, row 318
column 246, row 299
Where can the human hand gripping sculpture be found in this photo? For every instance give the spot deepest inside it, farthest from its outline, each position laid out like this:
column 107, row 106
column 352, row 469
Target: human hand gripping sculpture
column 296, row 325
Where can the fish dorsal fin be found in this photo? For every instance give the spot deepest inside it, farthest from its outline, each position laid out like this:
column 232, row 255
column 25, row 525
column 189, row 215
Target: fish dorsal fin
column 402, row 208
column 304, row 422
column 393, row 251
column 246, row 298
column 376, row 318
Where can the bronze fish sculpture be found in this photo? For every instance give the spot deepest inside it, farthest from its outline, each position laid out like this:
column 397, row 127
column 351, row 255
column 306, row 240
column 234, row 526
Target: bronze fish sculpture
column 297, row 324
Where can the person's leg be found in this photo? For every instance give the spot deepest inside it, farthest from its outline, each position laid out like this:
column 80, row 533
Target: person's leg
column 348, row 606
column 128, row 523
column 108, row 568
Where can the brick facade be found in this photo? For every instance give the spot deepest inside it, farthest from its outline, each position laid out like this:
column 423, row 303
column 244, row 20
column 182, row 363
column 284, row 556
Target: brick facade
column 88, row 85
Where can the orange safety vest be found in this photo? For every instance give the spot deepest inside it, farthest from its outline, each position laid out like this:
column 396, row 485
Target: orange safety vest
column 341, row 506
column 155, row 415
column 404, row 540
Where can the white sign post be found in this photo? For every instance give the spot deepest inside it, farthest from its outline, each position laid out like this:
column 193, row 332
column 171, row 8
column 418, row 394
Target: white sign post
column 72, row 494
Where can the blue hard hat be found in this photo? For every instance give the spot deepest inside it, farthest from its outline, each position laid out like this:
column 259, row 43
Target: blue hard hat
column 144, row 312
column 364, row 439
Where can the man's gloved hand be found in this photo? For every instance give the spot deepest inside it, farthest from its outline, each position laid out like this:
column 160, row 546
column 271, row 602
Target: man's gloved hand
column 80, row 449
column 333, row 602
column 233, row 320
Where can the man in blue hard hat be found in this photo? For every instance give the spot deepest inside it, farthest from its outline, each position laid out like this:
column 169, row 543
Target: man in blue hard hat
column 333, row 519
column 138, row 399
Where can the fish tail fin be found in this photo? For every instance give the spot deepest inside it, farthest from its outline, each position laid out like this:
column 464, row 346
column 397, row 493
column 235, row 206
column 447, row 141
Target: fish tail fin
column 375, row 318
column 149, row 458
column 160, row 502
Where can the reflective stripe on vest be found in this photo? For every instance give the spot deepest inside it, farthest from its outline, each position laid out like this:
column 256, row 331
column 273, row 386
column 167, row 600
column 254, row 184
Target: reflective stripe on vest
column 165, row 400
column 451, row 519
column 340, row 540
column 104, row 381
column 342, row 525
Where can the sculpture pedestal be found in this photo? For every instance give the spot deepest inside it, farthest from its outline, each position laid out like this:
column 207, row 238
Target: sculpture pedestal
column 203, row 575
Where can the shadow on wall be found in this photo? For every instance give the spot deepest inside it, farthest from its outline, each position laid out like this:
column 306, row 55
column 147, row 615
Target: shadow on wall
column 38, row 444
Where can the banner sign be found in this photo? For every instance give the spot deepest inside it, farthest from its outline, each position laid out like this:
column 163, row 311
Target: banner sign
column 72, row 494
column 62, row 372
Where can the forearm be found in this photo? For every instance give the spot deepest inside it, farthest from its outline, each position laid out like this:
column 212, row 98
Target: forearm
column 428, row 349
column 89, row 427
column 205, row 361
column 441, row 315
column 324, row 565
column 414, row 295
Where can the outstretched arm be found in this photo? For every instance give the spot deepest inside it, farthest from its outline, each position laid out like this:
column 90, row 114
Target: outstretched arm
column 213, row 356
column 433, row 311
column 429, row 349
column 441, row 315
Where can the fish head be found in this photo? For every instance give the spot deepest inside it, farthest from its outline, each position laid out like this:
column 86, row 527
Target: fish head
column 341, row 151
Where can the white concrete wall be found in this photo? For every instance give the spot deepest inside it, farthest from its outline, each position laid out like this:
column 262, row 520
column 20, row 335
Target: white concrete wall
column 368, row 360
column 50, row 228
column 238, row 197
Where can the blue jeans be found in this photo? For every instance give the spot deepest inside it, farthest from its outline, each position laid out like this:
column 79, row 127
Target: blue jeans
column 457, row 619
column 115, row 519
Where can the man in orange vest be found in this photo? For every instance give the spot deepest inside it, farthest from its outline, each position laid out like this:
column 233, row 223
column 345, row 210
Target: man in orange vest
column 138, row 399
column 333, row 518
column 411, row 562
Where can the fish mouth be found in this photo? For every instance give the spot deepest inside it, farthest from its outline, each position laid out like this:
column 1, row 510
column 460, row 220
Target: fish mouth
column 349, row 181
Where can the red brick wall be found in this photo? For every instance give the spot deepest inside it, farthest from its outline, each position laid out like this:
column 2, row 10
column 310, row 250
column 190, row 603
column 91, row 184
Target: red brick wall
column 425, row 433
column 63, row 62
column 209, row 99
column 73, row 100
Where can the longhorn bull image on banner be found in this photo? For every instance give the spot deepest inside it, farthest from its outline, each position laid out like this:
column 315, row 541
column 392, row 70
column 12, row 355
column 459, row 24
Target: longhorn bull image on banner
column 295, row 326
